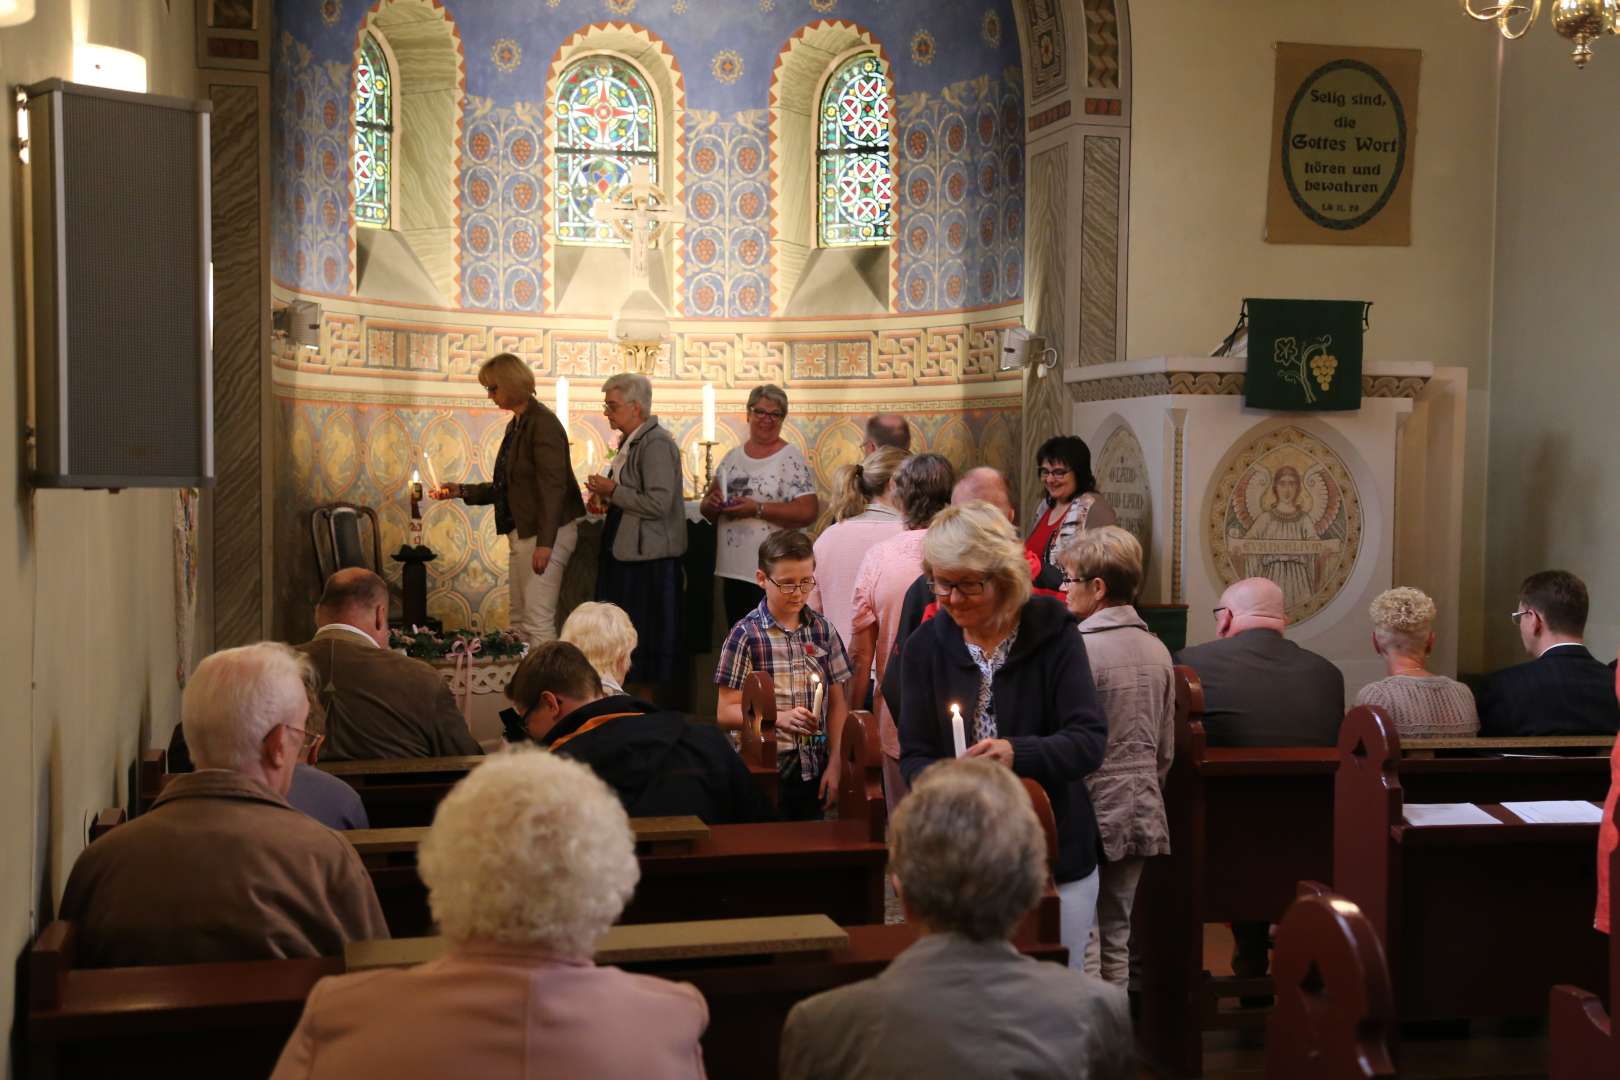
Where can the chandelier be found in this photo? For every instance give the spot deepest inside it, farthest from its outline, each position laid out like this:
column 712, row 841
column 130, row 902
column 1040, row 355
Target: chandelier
column 1581, row 21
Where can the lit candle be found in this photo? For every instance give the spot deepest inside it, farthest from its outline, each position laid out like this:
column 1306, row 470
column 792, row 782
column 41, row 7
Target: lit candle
column 957, row 731
column 433, row 475
column 816, row 694
column 562, row 402
column 708, row 412
column 416, row 494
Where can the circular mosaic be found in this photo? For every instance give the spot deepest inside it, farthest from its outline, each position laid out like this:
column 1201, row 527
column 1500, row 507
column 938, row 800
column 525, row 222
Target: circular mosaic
column 1286, row 508
column 837, row 446
column 446, row 530
column 450, row 608
column 388, row 454
column 339, row 459
column 446, row 444
column 493, row 609
column 955, row 442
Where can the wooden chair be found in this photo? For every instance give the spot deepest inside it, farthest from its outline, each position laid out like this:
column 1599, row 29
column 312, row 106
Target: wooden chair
column 335, row 530
column 1581, row 1042
column 106, row 821
column 1334, row 1006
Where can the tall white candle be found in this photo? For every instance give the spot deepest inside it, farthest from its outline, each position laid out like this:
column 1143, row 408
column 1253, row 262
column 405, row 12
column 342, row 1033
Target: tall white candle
column 562, row 402
column 708, row 412
column 957, row 731
column 433, row 475
column 590, row 453
column 816, row 691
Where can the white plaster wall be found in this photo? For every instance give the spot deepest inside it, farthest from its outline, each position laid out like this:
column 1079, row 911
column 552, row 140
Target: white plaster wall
column 1202, row 89
column 1555, row 366
column 87, row 642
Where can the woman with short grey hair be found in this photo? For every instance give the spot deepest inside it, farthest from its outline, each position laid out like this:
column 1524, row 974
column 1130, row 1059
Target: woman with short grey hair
column 968, row 859
column 760, row 487
column 529, row 861
column 640, row 488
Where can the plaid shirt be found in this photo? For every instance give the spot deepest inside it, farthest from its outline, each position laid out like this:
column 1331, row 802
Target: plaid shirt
column 759, row 643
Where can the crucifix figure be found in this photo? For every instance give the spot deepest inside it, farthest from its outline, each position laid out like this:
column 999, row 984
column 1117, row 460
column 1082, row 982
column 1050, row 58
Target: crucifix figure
column 639, row 212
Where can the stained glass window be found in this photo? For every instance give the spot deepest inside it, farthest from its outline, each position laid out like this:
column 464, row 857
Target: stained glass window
column 605, row 123
column 373, row 135
column 856, row 174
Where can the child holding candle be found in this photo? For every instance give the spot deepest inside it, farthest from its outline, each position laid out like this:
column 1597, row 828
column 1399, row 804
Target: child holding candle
column 803, row 655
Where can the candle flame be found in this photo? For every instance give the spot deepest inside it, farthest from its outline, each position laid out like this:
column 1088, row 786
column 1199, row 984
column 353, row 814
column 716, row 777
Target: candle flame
column 415, row 477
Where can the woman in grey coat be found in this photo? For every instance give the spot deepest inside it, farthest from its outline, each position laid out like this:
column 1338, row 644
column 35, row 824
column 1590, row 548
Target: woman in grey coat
column 1102, row 570
column 645, row 536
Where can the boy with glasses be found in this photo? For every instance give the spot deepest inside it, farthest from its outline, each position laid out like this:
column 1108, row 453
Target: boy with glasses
column 802, row 653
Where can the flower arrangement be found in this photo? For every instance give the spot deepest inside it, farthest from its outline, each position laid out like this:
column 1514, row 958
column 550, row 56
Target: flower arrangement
column 423, row 644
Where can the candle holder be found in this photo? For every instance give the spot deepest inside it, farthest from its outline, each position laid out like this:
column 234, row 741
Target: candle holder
column 708, row 463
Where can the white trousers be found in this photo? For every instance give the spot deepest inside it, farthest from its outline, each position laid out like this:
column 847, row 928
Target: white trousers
column 533, row 597
column 1077, row 903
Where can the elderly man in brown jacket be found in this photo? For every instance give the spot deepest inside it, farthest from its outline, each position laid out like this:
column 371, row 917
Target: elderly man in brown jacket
column 222, row 868
column 378, row 703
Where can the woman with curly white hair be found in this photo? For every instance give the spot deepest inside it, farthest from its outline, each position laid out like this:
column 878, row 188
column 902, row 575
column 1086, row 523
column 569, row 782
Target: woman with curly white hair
column 529, row 861
column 1419, row 701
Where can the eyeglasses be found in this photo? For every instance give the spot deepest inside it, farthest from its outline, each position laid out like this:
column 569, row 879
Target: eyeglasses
column 943, row 589
column 1067, row 580
column 1521, row 613
column 307, row 741
column 766, row 414
column 793, row 587
column 610, row 407
column 1057, row 472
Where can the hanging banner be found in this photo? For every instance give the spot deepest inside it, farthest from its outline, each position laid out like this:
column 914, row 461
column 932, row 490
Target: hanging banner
column 1344, row 128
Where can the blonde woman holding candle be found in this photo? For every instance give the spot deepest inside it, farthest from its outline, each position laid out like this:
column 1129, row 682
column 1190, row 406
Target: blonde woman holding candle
column 1015, row 667
column 537, row 503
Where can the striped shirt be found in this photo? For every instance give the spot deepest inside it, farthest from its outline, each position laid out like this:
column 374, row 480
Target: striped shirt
column 759, row 643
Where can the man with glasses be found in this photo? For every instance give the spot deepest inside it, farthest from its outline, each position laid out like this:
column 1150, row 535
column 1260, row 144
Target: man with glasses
column 1564, row 690
column 759, row 488
column 1260, row 689
column 802, row 653
column 222, row 868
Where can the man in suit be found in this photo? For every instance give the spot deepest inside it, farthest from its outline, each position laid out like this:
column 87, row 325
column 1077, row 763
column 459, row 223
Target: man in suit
column 1565, row 690
column 378, row 703
column 1260, row 689
column 968, row 860
column 661, row 764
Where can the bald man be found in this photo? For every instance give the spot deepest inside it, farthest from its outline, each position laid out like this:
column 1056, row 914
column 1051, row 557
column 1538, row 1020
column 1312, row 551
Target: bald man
column 987, row 484
column 886, row 429
column 379, row 703
column 1260, row 689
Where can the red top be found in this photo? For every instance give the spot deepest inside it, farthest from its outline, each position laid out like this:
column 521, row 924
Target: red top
column 1037, row 541
column 1608, row 836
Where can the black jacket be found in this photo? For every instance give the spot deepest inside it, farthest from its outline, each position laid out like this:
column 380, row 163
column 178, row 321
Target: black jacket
column 1260, row 689
column 1046, row 706
column 1564, row 691
column 661, row 764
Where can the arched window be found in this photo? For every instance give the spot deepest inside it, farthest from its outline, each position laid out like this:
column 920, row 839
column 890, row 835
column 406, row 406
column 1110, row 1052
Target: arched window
column 856, row 174
column 373, row 136
column 605, row 123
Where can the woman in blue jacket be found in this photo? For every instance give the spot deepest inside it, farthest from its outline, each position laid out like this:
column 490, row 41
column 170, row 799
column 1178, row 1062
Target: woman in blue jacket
column 1014, row 667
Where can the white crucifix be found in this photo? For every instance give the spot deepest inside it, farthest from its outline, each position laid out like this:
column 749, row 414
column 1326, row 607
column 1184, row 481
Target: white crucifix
column 639, row 212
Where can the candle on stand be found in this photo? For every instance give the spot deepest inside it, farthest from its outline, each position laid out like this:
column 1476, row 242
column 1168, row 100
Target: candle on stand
column 562, row 402
column 708, row 412
column 957, row 731
column 416, row 495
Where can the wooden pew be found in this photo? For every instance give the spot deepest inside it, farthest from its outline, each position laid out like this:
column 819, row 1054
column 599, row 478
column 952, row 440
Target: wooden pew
column 106, row 821
column 1476, row 920
column 835, row 868
column 231, row 1020
column 1248, row 823
column 1335, row 1011
column 1581, row 1042
column 757, row 740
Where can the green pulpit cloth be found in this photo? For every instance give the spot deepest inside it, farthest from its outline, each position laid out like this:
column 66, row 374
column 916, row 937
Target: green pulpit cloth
column 1304, row 355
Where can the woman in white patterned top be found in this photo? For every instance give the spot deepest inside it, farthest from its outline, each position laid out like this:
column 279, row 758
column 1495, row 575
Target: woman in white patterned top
column 1420, row 702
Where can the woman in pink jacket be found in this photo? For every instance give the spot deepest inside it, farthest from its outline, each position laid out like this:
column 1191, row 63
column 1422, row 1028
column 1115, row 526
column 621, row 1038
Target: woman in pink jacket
column 530, row 859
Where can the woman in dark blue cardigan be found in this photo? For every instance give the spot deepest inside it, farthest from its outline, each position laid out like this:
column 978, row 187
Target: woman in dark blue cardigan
column 1015, row 666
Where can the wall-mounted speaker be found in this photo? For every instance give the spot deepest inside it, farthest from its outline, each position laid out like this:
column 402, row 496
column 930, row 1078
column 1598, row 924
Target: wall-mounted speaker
column 123, row 362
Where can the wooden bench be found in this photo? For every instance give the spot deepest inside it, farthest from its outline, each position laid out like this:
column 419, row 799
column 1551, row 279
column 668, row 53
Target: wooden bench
column 757, row 739
column 1247, row 824
column 1581, row 1041
column 1335, row 1013
column 834, row 868
column 215, row 1020
column 1476, row 920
